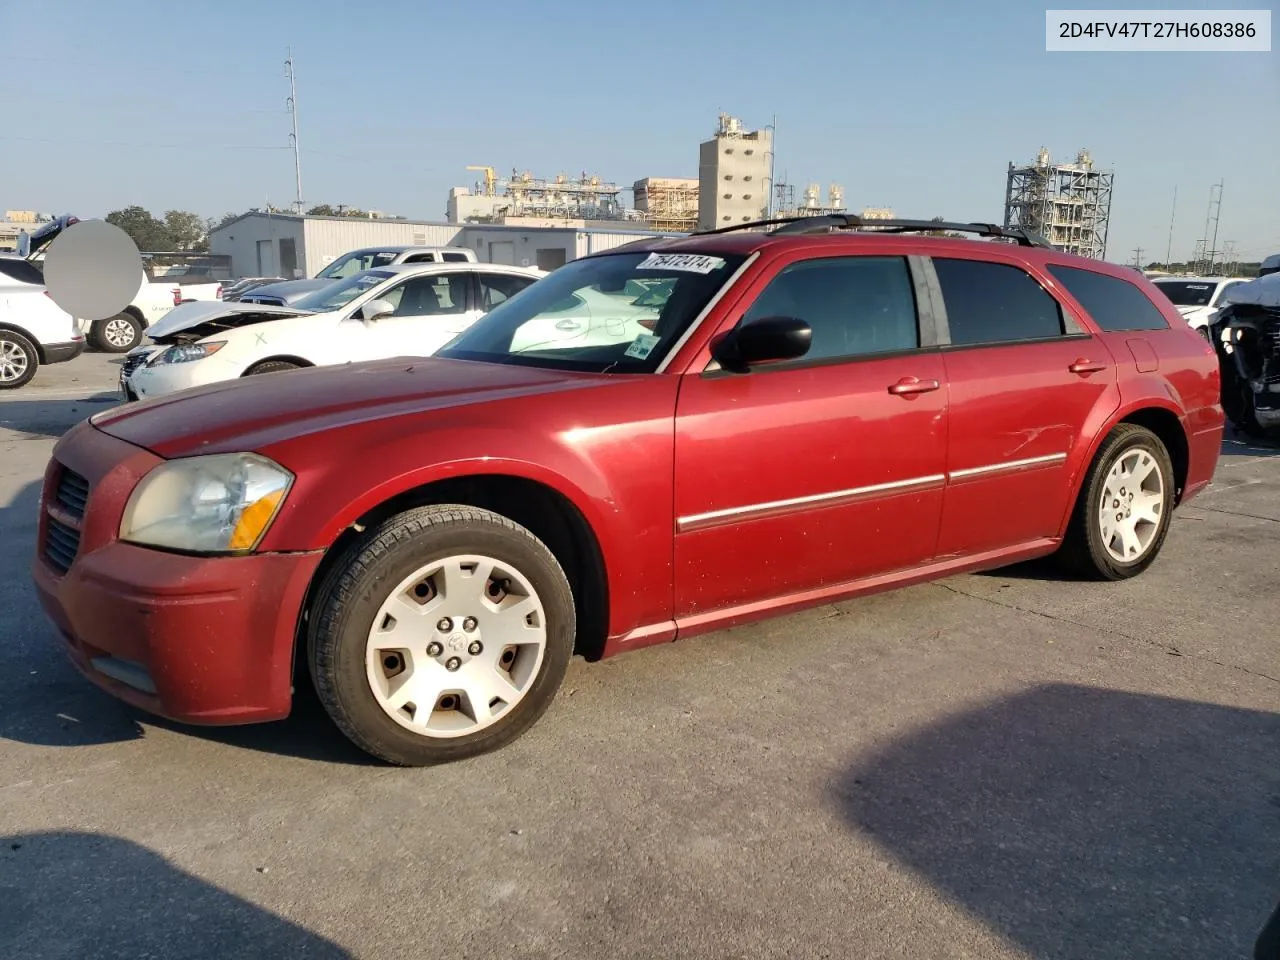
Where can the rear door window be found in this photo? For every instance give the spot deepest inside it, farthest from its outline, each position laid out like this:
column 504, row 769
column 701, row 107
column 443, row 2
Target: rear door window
column 455, row 258
column 989, row 303
column 1115, row 305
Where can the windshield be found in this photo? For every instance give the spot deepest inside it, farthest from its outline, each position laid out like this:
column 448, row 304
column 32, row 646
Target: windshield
column 356, row 262
column 338, row 295
column 1188, row 293
column 620, row 312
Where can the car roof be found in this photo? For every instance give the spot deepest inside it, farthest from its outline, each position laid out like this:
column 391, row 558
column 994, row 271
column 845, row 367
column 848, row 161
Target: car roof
column 747, row 242
column 402, row 248
column 456, row 265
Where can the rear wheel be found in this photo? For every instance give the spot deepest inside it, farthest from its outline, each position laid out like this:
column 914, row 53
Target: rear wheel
column 441, row 634
column 272, row 366
column 18, row 360
column 118, row 334
column 1125, row 507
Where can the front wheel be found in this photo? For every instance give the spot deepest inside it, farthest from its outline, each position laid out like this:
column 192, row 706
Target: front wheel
column 118, row 334
column 1125, row 506
column 441, row 634
column 18, row 360
column 271, row 366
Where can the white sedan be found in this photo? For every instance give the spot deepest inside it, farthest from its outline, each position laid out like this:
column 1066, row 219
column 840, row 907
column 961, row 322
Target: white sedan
column 409, row 310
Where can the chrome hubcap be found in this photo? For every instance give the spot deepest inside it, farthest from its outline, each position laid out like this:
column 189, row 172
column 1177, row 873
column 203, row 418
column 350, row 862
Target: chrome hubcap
column 13, row 361
column 1132, row 505
column 455, row 646
column 119, row 333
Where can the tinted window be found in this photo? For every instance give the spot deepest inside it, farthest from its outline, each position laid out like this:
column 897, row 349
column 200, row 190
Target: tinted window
column 856, row 305
column 455, row 258
column 421, row 258
column 995, row 303
column 496, row 287
column 1187, row 293
column 21, row 270
column 1114, row 304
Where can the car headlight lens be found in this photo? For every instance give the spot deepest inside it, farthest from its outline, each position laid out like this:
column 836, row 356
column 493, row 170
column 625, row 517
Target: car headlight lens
column 187, row 352
column 221, row 503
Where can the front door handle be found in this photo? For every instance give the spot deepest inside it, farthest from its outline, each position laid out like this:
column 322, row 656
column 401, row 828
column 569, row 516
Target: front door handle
column 1086, row 366
column 910, row 385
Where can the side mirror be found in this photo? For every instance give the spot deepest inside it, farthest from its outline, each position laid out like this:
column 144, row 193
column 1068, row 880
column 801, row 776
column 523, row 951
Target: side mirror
column 376, row 309
column 761, row 341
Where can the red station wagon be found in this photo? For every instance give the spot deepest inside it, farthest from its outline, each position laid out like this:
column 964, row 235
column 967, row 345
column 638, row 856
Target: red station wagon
column 771, row 419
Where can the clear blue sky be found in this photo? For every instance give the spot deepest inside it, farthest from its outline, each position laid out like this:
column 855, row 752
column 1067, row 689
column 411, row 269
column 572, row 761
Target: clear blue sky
column 917, row 104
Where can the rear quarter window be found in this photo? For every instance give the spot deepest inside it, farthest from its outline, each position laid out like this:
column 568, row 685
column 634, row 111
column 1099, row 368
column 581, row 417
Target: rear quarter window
column 1115, row 305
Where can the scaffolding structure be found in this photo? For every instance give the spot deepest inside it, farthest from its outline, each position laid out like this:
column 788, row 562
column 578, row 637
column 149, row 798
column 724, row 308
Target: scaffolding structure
column 1069, row 204
column 586, row 197
column 668, row 204
column 812, row 204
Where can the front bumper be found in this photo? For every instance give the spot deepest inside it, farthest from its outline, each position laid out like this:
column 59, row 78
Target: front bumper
column 62, row 352
column 206, row 640
column 158, row 380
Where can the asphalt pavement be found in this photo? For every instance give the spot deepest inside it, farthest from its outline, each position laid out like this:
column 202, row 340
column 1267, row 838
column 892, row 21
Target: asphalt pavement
column 1001, row 765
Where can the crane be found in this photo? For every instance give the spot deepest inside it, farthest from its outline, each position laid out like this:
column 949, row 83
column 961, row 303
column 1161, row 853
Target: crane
column 490, row 178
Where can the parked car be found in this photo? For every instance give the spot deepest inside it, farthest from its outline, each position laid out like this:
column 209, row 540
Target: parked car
column 154, row 299
column 818, row 412
column 235, row 289
column 1269, row 265
column 1197, row 298
column 1246, row 334
column 290, row 292
column 405, row 310
column 33, row 329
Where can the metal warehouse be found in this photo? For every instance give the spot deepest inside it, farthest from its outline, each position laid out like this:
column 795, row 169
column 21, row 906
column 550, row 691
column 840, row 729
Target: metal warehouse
column 289, row 245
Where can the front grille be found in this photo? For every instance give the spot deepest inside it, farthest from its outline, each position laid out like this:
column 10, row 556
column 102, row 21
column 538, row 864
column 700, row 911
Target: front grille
column 132, row 362
column 72, row 492
column 63, row 517
column 61, row 544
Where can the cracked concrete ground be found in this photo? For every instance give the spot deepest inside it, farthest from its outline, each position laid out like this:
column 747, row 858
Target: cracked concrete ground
column 1005, row 765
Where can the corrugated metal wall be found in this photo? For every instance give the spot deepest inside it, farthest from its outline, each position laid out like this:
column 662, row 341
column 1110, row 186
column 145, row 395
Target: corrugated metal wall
column 594, row 241
column 328, row 238
column 253, row 244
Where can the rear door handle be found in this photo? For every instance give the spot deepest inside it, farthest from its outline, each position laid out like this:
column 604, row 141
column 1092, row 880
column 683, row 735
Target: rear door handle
column 910, row 385
column 1087, row 366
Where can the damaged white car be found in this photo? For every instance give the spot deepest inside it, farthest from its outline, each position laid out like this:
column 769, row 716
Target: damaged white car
column 406, row 310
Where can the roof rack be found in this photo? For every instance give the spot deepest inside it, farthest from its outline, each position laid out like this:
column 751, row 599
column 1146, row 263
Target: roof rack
column 827, row 223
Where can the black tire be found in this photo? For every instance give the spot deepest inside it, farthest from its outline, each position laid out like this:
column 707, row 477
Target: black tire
column 118, row 328
column 360, row 581
column 271, row 366
column 17, row 351
column 1083, row 551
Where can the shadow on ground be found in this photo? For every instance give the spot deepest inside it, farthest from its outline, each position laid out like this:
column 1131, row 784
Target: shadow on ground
column 1087, row 823
column 81, row 895
column 51, row 418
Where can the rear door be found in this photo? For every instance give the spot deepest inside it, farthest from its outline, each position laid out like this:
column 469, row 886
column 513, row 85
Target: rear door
column 805, row 474
column 1028, row 387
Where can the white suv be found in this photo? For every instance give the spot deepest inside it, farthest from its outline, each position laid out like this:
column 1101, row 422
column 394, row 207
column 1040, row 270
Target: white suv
column 33, row 329
column 1197, row 298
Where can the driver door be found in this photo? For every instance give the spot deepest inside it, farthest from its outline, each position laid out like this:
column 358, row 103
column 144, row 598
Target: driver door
column 801, row 475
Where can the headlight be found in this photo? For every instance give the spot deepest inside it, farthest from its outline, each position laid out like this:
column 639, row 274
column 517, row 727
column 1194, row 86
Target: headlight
column 186, row 352
column 222, row 503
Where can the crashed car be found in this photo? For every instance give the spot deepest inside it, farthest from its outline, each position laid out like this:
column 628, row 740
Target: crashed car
column 1246, row 334
column 408, row 310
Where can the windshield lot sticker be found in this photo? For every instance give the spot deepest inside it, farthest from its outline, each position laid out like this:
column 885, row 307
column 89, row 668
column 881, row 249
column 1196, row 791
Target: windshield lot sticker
column 687, row 262
column 642, row 346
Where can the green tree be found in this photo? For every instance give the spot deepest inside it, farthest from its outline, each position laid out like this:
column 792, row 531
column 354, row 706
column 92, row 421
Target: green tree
column 322, row 210
column 187, row 230
column 146, row 231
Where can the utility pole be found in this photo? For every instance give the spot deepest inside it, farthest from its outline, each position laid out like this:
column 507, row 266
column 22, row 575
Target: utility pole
column 293, row 115
column 1217, row 215
column 1168, row 250
column 1137, row 257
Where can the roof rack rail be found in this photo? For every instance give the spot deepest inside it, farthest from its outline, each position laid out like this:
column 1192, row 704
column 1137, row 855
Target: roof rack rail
column 826, row 223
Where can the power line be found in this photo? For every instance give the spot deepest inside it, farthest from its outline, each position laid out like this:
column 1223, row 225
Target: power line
column 138, row 143
column 1137, row 257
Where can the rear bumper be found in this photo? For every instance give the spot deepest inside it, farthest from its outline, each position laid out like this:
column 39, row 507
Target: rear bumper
column 62, row 352
column 1204, row 449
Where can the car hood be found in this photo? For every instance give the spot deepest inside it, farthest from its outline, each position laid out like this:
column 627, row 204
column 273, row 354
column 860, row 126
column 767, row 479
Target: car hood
column 1263, row 292
column 186, row 316
column 290, row 290
column 256, row 412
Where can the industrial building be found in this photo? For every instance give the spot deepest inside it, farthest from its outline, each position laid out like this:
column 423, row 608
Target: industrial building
column 811, row 206
column 1069, row 204
column 290, row 245
column 667, row 203
column 528, row 199
column 735, row 175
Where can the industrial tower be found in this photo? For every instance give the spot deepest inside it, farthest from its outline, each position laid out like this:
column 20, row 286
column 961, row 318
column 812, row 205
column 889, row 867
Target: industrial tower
column 1069, row 204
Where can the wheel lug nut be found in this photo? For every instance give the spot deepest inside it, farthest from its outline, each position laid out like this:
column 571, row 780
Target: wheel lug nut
column 1115, row 503
column 475, row 648
column 434, row 649
column 469, row 624
column 445, row 625
column 453, row 663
